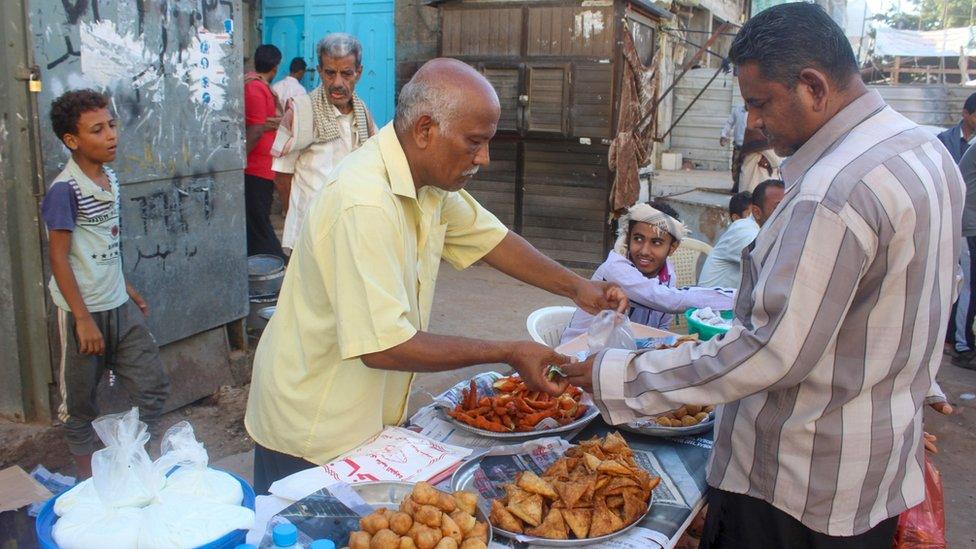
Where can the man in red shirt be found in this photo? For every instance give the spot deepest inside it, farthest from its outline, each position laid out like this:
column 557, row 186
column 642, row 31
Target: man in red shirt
column 262, row 113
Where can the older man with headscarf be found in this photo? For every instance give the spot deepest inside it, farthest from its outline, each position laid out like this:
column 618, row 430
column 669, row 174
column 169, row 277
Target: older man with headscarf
column 638, row 263
column 319, row 129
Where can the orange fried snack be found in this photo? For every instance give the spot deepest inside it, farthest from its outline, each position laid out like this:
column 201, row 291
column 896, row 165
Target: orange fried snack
column 513, row 408
column 597, row 488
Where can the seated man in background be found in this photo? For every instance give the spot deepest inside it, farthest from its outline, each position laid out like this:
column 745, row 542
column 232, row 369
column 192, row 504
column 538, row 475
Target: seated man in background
column 723, row 267
column 647, row 235
column 765, row 198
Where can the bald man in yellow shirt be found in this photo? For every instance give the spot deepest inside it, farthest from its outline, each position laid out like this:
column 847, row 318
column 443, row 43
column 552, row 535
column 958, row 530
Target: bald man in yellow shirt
column 336, row 361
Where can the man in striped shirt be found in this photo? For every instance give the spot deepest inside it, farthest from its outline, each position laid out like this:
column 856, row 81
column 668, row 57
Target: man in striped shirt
column 840, row 316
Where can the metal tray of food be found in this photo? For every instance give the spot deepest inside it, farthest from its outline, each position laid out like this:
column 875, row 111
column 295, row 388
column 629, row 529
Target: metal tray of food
column 651, row 428
column 464, row 479
column 389, row 494
column 591, row 413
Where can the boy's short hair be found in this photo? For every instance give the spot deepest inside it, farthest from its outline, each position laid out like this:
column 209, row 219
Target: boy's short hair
column 759, row 193
column 266, row 57
column 68, row 108
column 739, row 203
column 297, row 64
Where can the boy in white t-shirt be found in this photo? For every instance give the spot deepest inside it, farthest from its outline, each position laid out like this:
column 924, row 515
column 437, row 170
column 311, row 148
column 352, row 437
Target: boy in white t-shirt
column 101, row 318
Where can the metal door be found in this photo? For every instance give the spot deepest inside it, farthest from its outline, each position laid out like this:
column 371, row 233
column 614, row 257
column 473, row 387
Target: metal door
column 371, row 21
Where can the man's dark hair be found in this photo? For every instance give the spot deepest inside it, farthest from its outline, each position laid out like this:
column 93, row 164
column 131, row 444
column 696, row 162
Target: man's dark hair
column 788, row 38
column 68, row 108
column 266, row 58
column 297, row 64
column 970, row 105
column 739, row 203
column 759, row 193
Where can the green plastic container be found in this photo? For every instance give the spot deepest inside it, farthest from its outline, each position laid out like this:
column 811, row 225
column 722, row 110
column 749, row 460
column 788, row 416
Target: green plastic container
column 704, row 331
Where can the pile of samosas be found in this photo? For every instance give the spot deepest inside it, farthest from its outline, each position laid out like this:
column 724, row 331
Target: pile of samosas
column 514, row 408
column 595, row 489
column 686, row 416
column 427, row 519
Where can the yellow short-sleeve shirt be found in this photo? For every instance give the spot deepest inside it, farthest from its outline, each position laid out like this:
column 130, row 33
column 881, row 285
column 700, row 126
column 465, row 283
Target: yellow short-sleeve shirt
column 360, row 280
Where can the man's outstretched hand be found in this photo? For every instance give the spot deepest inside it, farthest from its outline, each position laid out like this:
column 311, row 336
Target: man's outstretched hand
column 532, row 360
column 595, row 296
column 580, row 374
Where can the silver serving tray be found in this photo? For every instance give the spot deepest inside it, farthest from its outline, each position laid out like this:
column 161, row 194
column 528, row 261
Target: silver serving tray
column 389, row 494
column 463, row 479
column 591, row 413
column 653, row 429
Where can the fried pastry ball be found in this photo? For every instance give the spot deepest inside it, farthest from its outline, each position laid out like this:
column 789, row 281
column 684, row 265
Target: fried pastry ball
column 359, row 540
column 385, row 539
column 374, row 522
column 428, row 515
column 400, row 523
column 466, row 501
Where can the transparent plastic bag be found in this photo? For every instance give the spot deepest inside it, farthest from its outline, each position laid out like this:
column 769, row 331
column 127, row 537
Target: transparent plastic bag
column 181, row 449
column 610, row 330
column 923, row 526
column 122, row 473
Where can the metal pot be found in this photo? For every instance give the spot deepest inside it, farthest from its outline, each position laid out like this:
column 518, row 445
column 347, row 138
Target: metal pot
column 261, row 309
column 264, row 274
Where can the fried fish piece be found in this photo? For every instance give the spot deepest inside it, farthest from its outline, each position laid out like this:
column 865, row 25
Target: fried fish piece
column 529, row 509
column 531, row 482
column 502, row 518
column 578, row 520
column 553, row 527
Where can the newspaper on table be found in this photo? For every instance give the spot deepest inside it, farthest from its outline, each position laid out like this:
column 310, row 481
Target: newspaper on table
column 395, row 454
column 680, row 462
column 431, row 421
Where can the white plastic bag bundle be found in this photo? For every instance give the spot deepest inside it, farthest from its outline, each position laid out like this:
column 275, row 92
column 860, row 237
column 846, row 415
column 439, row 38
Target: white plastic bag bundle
column 610, row 330
column 91, row 524
column 193, row 478
column 122, row 473
column 182, row 521
column 81, row 493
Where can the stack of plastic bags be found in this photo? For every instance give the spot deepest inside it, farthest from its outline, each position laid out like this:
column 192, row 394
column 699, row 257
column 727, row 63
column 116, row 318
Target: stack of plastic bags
column 131, row 503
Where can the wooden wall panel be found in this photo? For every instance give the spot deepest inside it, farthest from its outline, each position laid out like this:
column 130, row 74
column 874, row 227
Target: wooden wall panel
column 591, row 111
column 494, row 186
column 506, row 84
column 482, row 32
column 570, row 31
column 547, row 95
column 564, row 200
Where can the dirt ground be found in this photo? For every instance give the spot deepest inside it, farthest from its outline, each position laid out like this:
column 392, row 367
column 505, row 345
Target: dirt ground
column 480, row 302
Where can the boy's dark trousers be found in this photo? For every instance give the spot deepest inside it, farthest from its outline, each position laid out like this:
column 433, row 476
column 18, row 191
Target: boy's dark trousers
column 261, row 236
column 130, row 351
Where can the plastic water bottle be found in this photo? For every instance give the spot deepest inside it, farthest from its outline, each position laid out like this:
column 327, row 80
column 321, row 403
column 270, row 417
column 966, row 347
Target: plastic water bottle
column 322, row 544
column 285, row 535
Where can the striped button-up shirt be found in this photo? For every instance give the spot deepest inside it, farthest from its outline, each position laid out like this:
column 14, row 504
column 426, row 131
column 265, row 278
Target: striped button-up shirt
column 838, row 335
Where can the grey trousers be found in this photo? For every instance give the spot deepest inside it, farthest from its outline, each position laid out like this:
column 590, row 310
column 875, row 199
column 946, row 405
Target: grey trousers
column 130, row 352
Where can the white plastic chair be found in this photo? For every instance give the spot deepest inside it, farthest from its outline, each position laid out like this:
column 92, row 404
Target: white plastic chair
column 685, row 261
column 546, row 325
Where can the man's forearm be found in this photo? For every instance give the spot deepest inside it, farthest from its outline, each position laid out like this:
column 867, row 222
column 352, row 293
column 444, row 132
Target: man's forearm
column 426, row 352
column 282, row 182
column 64, row 277
column 520, row 260
column 252, row 134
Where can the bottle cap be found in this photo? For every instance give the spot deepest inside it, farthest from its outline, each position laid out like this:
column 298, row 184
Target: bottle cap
column 284, row 535
column 322, row 544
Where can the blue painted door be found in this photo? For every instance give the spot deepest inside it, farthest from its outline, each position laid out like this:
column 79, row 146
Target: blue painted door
column 295, row 26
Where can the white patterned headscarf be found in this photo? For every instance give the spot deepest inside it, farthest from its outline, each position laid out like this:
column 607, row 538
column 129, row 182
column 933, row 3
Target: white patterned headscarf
column 645, row 213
